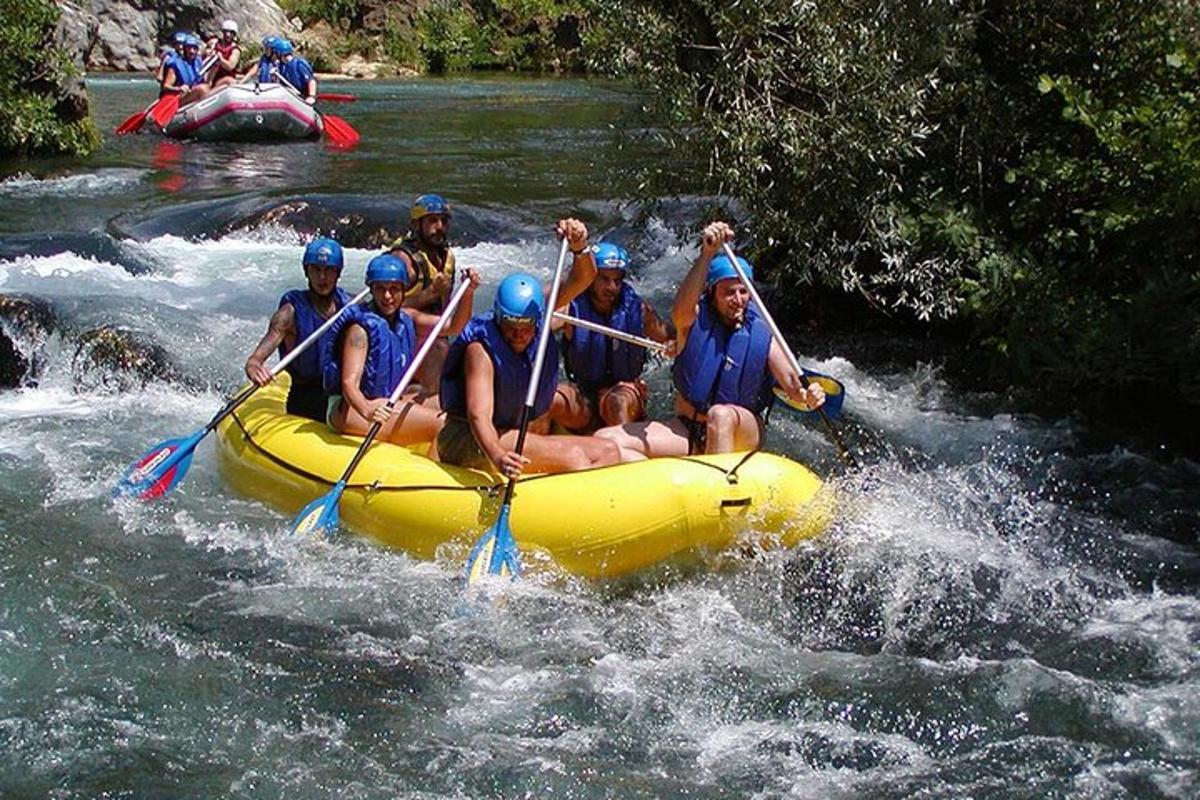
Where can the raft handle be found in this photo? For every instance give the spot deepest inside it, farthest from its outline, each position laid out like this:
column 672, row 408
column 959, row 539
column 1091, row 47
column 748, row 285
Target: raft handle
column 737, row 501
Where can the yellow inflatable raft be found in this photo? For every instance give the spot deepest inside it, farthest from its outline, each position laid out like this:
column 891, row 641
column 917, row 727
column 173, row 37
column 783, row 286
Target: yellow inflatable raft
column 601, row 523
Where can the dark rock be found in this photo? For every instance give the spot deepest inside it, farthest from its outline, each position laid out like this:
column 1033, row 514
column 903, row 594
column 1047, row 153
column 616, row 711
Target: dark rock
column 117, row 359
column 25, row 323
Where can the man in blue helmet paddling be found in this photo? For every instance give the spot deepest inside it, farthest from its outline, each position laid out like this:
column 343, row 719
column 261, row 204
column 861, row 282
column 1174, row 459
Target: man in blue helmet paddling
column 182, row 75
column 488, row 371
column 263, row 70
column 728, row 363
column 300, row 312
column 297, row 71
column 430, row 261
column 606, row 387
column 371, row 349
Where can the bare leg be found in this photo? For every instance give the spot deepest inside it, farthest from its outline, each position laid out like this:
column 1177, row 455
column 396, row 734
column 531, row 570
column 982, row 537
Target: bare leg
column 651, row 439
column 732, row 429
column 563, row 453
column 571, row 408
column 413, row 423
column 623, row 403
column 429, row 374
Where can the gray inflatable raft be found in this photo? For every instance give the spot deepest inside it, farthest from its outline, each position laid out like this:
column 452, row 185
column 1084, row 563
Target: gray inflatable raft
column 250, row 112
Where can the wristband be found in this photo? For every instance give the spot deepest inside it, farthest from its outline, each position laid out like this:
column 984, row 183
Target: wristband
column 580, row 251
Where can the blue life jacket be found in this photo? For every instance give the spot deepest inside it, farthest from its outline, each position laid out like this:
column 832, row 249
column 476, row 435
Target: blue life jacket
column 198, row 68
column 596, row 361
column 512, row 373
column 723, row 365
column 264, row 70
column 298, row 73
column 390, row 350
column 306, row 370
column 184, row 70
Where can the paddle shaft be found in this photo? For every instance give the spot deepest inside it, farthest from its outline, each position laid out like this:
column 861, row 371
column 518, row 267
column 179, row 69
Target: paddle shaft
column 783, row 345
column 408, row 376
column 640, row 341
column 535, row 377
column 292, row 355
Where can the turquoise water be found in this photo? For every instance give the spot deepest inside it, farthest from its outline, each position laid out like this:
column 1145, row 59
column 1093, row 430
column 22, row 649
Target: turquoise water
column 1006, row 607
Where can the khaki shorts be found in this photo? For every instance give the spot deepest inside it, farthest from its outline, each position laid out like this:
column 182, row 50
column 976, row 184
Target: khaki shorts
column 456, row 444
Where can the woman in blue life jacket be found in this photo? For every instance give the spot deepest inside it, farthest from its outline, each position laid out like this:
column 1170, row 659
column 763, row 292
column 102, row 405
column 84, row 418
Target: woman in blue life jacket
column 374, row 347
column 261, row 71
column 300, row 312
column 182, row 74
column 606, row 387
column 726, row 366
column 487, row 375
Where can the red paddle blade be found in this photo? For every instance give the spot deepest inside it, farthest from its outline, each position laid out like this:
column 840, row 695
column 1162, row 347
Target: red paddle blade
column 164, row 109
column 131, row 124
column 340, row 133
column 333, row 97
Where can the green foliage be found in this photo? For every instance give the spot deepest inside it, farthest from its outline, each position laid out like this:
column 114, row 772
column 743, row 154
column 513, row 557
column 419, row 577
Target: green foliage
column 340, row 14
column 1031, row 166
column 30, row 71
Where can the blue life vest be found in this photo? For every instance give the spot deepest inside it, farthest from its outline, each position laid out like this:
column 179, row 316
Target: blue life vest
column 307, row 368
column 198, row 69
column 512, row 373
column 723, row 365
column 264, row 70
column 390, row 350
column 184, row 70
column 596, row 361
column 298, row 73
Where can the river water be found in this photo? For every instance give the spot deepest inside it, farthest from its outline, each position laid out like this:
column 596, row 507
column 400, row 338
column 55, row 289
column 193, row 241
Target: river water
column 1005, row 607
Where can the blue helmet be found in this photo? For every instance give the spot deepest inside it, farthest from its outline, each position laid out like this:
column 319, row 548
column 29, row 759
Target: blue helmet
column 179, row 37
column 611, row 256
column 719, row 269
column 192, row 40
column 428, row 204
column 324, row 253
column 386, row 267
column 269, row 41
column 284, row 47
column 519, row 299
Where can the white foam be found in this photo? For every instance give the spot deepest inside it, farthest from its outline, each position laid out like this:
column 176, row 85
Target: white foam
column 107, row 181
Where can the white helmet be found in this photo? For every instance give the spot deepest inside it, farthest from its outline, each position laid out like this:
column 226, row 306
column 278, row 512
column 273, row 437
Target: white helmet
column 229, row 25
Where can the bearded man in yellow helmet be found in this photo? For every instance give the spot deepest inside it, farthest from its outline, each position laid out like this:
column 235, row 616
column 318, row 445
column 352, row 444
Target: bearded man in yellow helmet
column 430, row 263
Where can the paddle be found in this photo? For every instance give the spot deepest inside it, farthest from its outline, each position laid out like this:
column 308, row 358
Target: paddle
column 341, row 133
column 135, row 121
column 333, row 97
column 161, row 468
column 165, row 109
column 321, row 515
column 495, row 552
column 766, row 315
column 640, row 341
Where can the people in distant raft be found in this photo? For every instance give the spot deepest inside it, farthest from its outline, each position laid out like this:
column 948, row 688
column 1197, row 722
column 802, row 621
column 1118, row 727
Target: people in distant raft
column 727, row 365
column 487, row 374
column 295, row 71
column 606, row 387
column 430, row 263
column 168, row 54
column 372, row 348
column 228, row 55
column 183, row 73
column 300, row 312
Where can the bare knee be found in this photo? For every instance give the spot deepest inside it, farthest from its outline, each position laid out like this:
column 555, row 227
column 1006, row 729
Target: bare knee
column 722, row 420
column 604, row 452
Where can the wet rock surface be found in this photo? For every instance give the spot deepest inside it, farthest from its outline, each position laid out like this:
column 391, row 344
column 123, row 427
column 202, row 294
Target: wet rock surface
column 25, row 324
column 117, row 359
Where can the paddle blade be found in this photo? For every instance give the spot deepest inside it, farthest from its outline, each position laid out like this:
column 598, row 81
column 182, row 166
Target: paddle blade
column 835, row 395
column 340, row 133
column 164, row 109
column 495, row 553
column 332, row 97
column 320, row 517
column 160, row 470
column 132, row 123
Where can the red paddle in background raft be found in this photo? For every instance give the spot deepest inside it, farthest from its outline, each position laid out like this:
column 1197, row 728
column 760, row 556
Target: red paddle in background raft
column 161, row 111
column 333, row 97
column 341, row 133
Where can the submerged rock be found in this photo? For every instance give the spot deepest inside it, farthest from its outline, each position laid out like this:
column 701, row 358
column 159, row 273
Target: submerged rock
column 25, row 323
column 116, row 359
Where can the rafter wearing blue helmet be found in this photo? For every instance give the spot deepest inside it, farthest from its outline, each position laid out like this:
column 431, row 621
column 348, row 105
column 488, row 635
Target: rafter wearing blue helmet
column 606, row 386
column 296, row 71
column 300, row 312
column 727, row 365
column 262, row 71
column 374, row 347
column 183, row 75
column 488, row 372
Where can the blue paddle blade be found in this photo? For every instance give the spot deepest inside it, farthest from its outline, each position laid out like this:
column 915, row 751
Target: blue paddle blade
column 495, row 553
column 320, row 517
column 159, row 471
column 835, row 395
